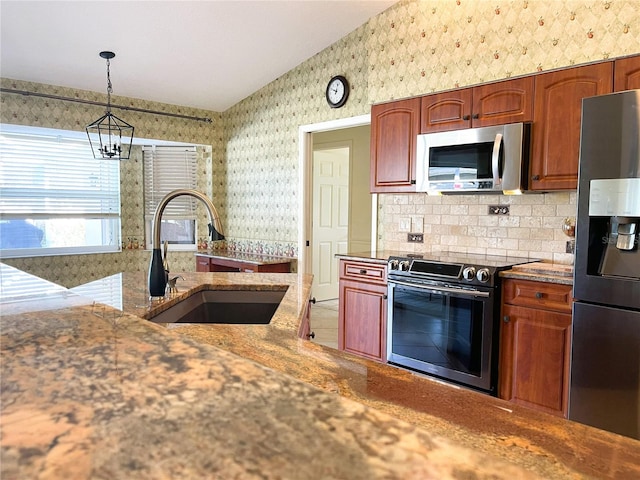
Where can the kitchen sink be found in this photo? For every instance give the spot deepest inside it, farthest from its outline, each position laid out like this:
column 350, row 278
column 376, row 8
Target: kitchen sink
column 249, row 307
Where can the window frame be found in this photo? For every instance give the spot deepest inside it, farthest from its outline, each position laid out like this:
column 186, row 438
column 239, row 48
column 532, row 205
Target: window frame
column 166, row 160
column 49, row 190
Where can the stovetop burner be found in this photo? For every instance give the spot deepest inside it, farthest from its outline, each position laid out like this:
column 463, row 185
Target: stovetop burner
column 451, row 267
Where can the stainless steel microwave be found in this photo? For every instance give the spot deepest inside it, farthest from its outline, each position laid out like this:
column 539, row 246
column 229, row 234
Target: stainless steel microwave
column 485, row 159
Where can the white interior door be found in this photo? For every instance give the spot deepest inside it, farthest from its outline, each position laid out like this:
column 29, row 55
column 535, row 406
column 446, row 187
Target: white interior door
column 330, row 218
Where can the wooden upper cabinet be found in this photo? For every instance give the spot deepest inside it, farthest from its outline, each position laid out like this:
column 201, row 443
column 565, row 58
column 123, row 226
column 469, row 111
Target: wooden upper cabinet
column 446, row 111
column 498, row 103
column 626, row 74
column 556, row 128
column 503, row 102
column 394, row 128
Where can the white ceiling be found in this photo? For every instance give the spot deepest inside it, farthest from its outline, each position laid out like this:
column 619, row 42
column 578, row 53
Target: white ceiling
column 206, row 54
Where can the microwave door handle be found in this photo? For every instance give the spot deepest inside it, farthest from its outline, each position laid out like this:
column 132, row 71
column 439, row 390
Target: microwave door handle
column 495, row 159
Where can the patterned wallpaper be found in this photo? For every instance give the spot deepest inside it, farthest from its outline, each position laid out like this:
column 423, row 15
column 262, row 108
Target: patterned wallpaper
column 413, row 48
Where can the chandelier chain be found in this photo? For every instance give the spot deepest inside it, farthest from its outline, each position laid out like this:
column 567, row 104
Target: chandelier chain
column 109, row 86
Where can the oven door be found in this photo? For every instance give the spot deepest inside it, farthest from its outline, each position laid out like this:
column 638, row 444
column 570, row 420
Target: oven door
column 447, row 332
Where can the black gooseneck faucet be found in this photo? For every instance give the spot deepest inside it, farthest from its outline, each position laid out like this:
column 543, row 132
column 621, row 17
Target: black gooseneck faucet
column 157, row 274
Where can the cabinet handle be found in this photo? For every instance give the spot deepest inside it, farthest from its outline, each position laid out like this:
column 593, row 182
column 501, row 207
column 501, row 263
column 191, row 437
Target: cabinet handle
column 363, row 272
column 538, row 294
column 413, row 182
column 506, row 319
column 311, row 335
column 384, row 297
column 466, row 117
column 476, row 116
column 535, row 178
column 312, row 300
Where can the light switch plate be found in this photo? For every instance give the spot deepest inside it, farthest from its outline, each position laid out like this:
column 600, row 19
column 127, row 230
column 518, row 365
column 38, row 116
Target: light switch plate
column 404, row 224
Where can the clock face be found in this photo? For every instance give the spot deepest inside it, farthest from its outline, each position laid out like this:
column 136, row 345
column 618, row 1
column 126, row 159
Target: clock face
column 337, row 91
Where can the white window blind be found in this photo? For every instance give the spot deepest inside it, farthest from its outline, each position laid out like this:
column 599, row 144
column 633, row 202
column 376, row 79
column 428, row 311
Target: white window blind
column 44, row 176
column 55, row 198
column 167, row 168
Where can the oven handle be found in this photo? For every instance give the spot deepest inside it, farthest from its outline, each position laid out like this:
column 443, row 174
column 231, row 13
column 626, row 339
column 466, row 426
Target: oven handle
column 459, row 291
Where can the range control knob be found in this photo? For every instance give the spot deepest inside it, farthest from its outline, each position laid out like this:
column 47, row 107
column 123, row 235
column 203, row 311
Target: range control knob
column 469, row 273
column 483, row 275
column 393, row 264
column 404, row 265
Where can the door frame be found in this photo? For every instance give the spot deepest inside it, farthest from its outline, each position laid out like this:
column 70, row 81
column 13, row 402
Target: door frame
column 305, row 162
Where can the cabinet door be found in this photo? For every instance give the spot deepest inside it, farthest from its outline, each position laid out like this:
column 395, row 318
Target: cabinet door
column 626, row 74
column 362, row 319
column 304, row 330
column 394, row 127
column 446, row 111
column 535, row 348
column 557, row 115
column 202, row 264
column 503, row 102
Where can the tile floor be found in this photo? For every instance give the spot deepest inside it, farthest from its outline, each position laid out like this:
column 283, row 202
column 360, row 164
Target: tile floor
column 324, row 322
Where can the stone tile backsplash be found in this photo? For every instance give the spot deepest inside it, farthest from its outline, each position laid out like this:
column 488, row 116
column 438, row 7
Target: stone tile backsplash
column 533, row 227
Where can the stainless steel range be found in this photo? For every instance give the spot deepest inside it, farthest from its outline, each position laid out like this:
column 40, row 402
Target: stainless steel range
column 443, row 314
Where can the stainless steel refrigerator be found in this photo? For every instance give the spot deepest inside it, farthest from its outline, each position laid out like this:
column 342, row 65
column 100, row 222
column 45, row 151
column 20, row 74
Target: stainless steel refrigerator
column 605, row 360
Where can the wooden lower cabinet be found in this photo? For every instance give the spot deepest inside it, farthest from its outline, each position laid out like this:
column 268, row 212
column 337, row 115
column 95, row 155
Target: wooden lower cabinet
column 362, row 324
column 535, row 345
column 205, row 263
column 304, row 330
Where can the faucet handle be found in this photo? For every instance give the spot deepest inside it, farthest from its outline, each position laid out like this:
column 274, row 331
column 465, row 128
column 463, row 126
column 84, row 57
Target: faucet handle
column 172, row 283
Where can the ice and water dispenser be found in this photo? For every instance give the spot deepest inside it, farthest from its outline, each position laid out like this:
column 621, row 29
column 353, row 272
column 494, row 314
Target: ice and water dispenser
column 614, row 216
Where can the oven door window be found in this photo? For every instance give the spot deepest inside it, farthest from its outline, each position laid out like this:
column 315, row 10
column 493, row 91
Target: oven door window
column 440, row 330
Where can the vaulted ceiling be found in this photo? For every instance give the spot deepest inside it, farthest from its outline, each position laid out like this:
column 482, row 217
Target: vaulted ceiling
column 207, row 54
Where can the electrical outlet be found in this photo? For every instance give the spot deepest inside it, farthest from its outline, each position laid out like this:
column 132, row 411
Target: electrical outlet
column 415, row 238
column 571, row 246
column 498, row 209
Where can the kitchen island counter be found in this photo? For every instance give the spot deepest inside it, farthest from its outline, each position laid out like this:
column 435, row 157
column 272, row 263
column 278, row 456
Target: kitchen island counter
column 90, row 391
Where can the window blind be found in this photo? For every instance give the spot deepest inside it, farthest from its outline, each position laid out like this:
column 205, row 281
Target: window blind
column 165, row 169
column 51, row 177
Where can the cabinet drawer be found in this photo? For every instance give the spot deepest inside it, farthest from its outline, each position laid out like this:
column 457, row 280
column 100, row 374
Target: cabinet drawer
column 548, row 296
column 371, row 272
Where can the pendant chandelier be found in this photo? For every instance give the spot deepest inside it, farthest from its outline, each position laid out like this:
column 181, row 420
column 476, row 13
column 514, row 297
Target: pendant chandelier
column 110, row 137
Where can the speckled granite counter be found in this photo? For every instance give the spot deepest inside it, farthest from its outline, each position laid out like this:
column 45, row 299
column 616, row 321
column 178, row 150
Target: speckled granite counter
column 91, row 392
column 542, row 272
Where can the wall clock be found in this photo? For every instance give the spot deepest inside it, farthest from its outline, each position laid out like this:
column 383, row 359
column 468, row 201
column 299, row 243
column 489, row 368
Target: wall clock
column 337, row 91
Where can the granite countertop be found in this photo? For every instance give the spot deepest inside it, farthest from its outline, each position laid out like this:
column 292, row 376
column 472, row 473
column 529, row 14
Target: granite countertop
column 378, row 256
column 91, row 391
column 541, row 272
column 254, row 258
